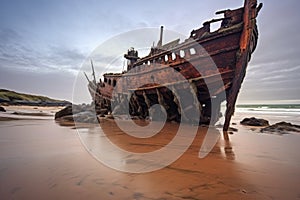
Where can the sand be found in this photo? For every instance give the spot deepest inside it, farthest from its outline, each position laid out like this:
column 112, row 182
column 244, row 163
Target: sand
column 40, row 159
column 28, row 112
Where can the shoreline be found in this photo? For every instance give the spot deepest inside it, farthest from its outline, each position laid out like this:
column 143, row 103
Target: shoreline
column 25, row 112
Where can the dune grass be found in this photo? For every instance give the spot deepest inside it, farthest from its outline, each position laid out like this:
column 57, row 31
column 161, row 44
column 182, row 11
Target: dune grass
column 9, row 96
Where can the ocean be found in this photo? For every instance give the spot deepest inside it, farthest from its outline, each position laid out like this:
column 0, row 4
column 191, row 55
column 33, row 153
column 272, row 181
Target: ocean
column 275, row 112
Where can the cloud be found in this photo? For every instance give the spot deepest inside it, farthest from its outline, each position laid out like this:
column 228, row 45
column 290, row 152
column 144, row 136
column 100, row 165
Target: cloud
column 42, row 39
column 50, row 70
column 18, row 54
column 53, row 84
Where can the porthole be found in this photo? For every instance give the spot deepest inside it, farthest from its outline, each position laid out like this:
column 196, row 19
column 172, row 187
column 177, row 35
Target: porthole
column 192, row 51
column 166, row 58
column 173, row 56
column 181, row 53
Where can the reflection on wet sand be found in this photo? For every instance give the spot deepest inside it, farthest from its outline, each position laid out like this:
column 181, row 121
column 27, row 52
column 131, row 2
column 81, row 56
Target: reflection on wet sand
column 228, row 150
column 190, row 177
column 41, row 160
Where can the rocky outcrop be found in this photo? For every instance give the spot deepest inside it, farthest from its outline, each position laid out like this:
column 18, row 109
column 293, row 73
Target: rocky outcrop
column 281, row 128
column 2, row 109
column 64, row 112
column 78, row 113
column 254, row 122
column 85, row 117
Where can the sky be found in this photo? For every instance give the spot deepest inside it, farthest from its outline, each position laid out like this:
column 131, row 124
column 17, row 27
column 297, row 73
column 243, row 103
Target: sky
column 44, row 44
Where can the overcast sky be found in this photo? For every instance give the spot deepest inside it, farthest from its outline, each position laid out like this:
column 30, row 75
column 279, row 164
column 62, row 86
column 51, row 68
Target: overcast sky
column 43, row 43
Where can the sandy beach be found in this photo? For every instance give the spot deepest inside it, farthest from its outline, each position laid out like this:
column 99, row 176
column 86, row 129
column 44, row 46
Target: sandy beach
column 41, row 159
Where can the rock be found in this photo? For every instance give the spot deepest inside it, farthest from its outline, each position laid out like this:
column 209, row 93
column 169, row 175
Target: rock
column 233, row 129
column 230, row 129
column 82, row 117
column 254, row 122
column 70, row 110
column 64, row 112
column 68, row 118
column 281, row 128
column 78, row 113
column 2, row 109
column 85, row 117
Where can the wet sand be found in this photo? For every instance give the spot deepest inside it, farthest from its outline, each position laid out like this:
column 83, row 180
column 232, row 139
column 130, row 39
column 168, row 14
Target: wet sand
column 28, row 112
column 40, row 159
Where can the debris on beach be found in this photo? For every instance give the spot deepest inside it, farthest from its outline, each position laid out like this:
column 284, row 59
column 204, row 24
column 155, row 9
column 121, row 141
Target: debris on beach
column 254, row 122
column 281, row 128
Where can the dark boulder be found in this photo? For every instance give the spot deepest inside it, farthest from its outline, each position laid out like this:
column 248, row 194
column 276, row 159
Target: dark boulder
column 70, row 110
column 281, row 128
column 78, row 113
column 64, row 112
column 68, row 118
column 232, row 129
column 2, row 109
column 254, row 122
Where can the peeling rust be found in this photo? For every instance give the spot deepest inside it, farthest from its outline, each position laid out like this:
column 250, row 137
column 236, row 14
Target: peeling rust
column 230, row 47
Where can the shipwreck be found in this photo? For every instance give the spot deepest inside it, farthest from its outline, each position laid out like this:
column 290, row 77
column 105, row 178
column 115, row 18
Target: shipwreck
column 230, row 48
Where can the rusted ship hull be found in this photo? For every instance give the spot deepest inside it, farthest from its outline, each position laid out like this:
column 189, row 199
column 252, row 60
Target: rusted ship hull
column 203, row 59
